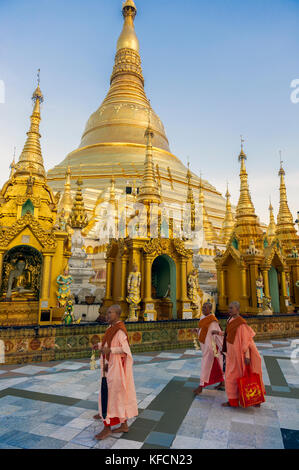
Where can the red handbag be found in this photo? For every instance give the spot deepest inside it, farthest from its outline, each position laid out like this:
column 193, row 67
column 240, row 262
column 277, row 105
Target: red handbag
column 250, row 389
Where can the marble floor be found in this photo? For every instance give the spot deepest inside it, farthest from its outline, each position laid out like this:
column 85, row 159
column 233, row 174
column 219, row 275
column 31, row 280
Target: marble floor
column 51, row 405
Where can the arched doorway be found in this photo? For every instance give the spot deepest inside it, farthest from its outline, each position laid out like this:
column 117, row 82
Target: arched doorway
column 164, row 281
column 274, row 289
column 21, row 274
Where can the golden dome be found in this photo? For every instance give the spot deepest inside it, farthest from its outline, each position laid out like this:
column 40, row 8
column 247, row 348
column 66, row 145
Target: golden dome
column 113, row 140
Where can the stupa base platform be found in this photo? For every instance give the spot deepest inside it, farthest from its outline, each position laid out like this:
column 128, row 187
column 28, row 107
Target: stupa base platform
column 54, row 343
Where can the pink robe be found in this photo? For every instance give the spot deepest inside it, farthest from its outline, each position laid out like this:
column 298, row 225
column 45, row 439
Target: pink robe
column 208, row 354
column 235, row 360
column 122, row 402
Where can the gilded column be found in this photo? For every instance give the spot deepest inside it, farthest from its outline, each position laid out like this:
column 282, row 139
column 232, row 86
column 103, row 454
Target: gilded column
column 1, row 263
column 109, row 280
column 253, row 277
column 266, row 283
column 243, row 289
column 46, row 277
column 148, row 279
column 124, row 260
column 284, row 284
column 243, row 283
column 183, row 263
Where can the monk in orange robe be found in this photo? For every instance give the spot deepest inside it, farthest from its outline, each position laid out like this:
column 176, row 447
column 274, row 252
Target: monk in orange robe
column 211, row 366
column 117, row 367
column 241, row 351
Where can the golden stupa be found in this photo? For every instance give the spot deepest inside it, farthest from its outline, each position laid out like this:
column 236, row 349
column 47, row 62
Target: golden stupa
column 113, row 141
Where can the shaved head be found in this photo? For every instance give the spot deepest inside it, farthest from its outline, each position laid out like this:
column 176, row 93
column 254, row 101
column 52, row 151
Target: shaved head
column 208, row 305
column 116, row 309
column 207, row 308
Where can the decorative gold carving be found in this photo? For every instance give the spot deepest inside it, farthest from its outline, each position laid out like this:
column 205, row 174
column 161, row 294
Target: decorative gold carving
column 20, row 200
column 159, row 246
column 46, row 239
column 127, row 61
column 111, row 248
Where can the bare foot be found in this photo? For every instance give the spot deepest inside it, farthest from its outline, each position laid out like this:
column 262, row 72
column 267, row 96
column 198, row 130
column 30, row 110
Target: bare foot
column 104, row 434
column 226, row 404
column 122, row 428
column 220, row 386
column 197, row 390
column 97, row 416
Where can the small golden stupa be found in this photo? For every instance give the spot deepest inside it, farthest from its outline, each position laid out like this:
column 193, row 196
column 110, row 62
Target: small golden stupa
column 30, row 240
column 253, row 269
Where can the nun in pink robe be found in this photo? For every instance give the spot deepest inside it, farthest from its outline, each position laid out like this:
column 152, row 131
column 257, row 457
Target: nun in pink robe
column 211, row 366
column 122, row 402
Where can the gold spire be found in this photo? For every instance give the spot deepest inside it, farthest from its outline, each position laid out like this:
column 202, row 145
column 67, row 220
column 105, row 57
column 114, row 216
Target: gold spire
column 78, row 217
column 209, row 232
column 127, row 59
column 128, row 38
column 286, row 231
column 31, row 160
column 228, row 222
column 247, row 227
column 112, row 198
column 271, row 230
column 245, row 206
column 13, row 165
column 284, row 214
column 66, row 201
column 190, row 198
column 149, row 191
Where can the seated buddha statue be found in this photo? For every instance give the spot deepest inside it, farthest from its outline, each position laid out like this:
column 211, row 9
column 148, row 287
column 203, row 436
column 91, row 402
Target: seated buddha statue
column 19, row 281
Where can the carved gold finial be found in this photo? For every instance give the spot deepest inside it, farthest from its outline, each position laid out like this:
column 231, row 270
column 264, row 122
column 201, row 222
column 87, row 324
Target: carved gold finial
column 66, row 201
column 281, row 170
column 271, row 230
column 242, row 155
column 149, row 190
column 247, row 226
column 228, row 222
column 128, row 38
column 31, row 157
column 12, row 166
column 286, row 231
column 78, row 217
column 190, row 197
column 209, row 231
column 129, row 5
column 245, row 205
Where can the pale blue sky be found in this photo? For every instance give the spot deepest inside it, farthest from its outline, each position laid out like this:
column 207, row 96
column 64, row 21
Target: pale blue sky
column 214, row 69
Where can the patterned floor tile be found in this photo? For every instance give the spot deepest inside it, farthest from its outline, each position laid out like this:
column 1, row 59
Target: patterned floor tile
column 49, row 443
column 126, row 444
column 183, row 442
column 160, row 438
column 73, row 446
column 38, row 408
column 208, row 444
column 79, row 423
column 290, row 438
column 45, row 429
column 30, row 370
column 152, row 415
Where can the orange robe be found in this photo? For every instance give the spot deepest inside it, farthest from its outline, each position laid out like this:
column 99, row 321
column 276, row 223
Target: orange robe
column 235, row 361
column 122, row 402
